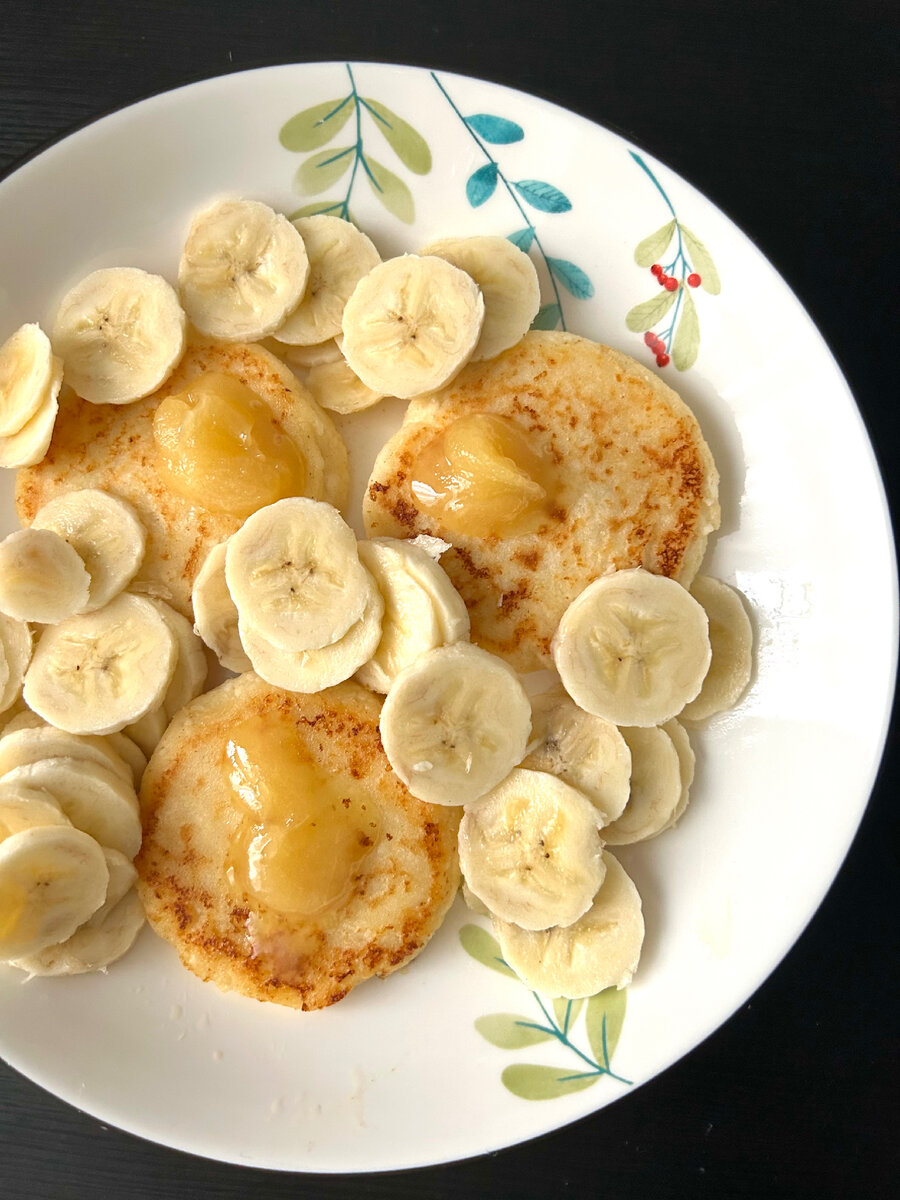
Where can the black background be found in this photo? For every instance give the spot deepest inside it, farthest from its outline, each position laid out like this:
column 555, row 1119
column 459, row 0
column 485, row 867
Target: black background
column 785, row 114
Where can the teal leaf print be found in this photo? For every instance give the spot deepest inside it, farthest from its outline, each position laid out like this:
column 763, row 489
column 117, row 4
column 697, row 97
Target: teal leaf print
column 333, row 207
column 687, row 335
column 318, row 172
column 522, row 238
column 644, row 316
column 481, row 184
column 566, row 1012
column 312, row 128
column 572, row 278
column 406, row 142
column 511, row 1032
column 702, row 263
column 391, row 191
column 496, row 130
column 548, row 317
column 653, row 247
column 543, row 196
column 532, row 1082
column 603, row 1022
column 479, row 944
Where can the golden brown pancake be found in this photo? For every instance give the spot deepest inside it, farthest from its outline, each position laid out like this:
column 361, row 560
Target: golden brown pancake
column 192, row 865
column 634, row 485
column 111, row 447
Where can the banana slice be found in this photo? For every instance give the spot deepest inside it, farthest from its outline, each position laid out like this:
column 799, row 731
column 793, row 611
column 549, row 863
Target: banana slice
column 339, row 256
column 633, row 647
column 147, row 730
column 191, row 667
column 335, row 387
column 656, row 787
column 301, row 358
column 686, row 764
column 42, row 577
column 472, row 903
column 600, row 950
column 293, row 571
column 130, row 753
column 98, row 672
column 120, row 333
column 104, row 937
column 530, row 850
column 731, row 637
column 411, row 324
column 52, row 879
column 31, row 744
column 455, row 723
column 29, row 444
column 22, row 718
column 582, row 750
column 95, row 800
column 243, row 269
column 106, row 533
column 23, row 807
column 216, row 614
column 15, row 655
column 509, row 284
column 26, row 368
column 312, row 670
column 422, row 608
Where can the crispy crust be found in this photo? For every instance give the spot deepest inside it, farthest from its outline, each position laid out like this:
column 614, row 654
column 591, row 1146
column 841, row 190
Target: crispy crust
column 398, row 900
column 638, row 486
column 111, row 447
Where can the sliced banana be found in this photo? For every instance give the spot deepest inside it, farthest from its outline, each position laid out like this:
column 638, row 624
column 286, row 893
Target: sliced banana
column 191, row 667
column 294, row 573
column 120, row 333
column 106, row 533
column 633, row 647
column 92, row 797
column 130, row 753
column 216, row 614
column 686, row 763
column 731, row 638
column 509, row 284
column 101, row 671
column 147, row 730
column 20, row 717
column 15, row 655
column 42, row 577
column 656, row 787
column 243, row 269
column 301, row 358
column 455, row 722
column 104, row 937
column 312, row 670
column 30, row 443
column 339, row 256
column 335, row 387
column 52, row 879
column 33, row 743
column 600, row 950
column 473, row 904
column 26, row 368
column 23, row 807
column 411, row 324
column 530, row 850
column 422, row 608
column 583, row 750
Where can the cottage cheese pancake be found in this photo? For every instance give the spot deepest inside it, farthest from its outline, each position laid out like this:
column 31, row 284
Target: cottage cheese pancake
column 186, row 468
column 545, row 468
column 282, row 857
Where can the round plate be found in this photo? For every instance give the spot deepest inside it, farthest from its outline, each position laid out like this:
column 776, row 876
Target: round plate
column 453, row 1056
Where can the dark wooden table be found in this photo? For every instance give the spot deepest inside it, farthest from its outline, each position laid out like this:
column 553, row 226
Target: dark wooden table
column 786, row 116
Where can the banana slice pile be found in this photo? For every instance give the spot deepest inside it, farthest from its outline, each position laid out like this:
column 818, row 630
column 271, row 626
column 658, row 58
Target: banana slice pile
column 69, row 829
column 30, row 378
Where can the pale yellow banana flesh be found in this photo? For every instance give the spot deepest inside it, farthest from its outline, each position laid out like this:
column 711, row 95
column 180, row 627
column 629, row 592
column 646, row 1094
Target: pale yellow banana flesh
column 731, row 638
column 216, row 614
column 42, row 577
column 26, row 368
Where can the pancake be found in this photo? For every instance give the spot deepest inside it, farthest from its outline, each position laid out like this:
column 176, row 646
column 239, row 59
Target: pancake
column 111, row 447
column 634, row 484
column 190, row 873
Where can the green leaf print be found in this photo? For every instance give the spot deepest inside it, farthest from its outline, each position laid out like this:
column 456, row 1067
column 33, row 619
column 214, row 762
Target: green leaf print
column 652, row 248
column 687, row 335
column 312, row 128
column 318, row 172
column 408, row 144
column 484, row 948
column 566, row 1012
column 509, row 1031
column 548, row 317
column 644, row 316
column 603, row 1022
column 391, row 191
column 532, row 1082
column 701, row 261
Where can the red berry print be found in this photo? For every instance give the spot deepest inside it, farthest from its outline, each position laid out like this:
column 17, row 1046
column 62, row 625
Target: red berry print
column 662, row 360
column 671, row 285
column 694, row 279
column 650, row 339
column 656, row 269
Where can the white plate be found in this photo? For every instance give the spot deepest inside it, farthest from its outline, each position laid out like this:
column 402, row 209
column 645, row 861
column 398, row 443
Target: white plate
column 397, row 1074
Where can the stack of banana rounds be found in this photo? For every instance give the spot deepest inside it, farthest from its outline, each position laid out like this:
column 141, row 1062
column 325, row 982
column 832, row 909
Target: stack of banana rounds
column 545, row 506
